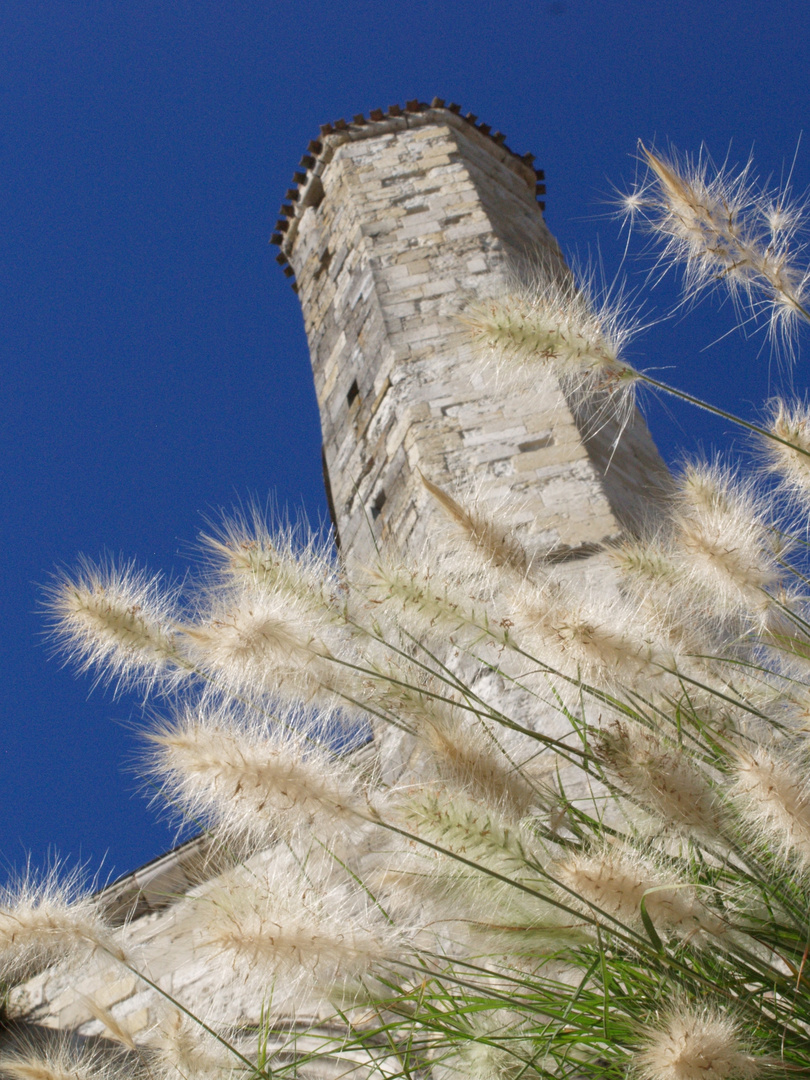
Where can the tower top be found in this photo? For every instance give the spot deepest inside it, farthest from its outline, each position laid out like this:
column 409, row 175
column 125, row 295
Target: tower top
column 307, row 189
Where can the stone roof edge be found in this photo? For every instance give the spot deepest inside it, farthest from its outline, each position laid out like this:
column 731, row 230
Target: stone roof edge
column 155, row 884
column 307, row 188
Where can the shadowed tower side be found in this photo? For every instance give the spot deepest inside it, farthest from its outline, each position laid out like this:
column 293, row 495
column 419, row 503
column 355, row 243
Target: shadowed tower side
column 398, row 223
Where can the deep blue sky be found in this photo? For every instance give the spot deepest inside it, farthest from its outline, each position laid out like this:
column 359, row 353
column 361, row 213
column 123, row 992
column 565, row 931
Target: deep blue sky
column 154, row 365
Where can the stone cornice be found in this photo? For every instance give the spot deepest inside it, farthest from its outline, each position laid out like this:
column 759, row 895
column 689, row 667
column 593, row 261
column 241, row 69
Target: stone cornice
column 308, row 189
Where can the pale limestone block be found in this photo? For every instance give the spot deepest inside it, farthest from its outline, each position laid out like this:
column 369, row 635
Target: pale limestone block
column 477, row 265
column 498, row 430
column 425, row 231
column 111, row 993
column 139, row 1021
column 441, row 287
column 72, row 1015
column 541, row 459
column 474, row 227
column 26, row 999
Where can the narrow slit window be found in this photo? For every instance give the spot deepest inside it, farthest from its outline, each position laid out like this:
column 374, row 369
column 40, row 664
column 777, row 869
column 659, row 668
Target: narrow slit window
column 314, row 193
column 323, row 264
column 536, row 444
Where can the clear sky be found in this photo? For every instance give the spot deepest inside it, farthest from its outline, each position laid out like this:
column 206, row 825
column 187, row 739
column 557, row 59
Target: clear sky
column 154, row 365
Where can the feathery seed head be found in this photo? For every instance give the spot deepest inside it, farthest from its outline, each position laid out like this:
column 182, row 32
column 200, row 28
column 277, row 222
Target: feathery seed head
column 180, row 1046
column 467, row 827
column 665, row 779
column 783, row 215
column 116, row 619
column 492, row 543
column 285, row 928
column 46, row 919
column 468, row 756
column 288, row 560
column 790, row 421
column 614, row 880
column 723, row 542
column 250, row 783
column 461, row 747
column 725, row 229
column 112, row 1028
column 426, row 606
column 632, row 203
column 495, row 1046
column 60, row 1060
column 700, row 215
column 648, row 562
column 465, row 904
column 554, row 322
column 773, row 794
column 264, row 642
column 585, row 638
column 692, row 1043
column 653, row 575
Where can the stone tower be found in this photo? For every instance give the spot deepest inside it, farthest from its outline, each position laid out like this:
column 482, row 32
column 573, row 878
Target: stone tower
column 396, row 222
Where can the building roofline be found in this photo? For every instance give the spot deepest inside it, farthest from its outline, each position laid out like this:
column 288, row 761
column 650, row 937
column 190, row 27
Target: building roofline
column 156, row 883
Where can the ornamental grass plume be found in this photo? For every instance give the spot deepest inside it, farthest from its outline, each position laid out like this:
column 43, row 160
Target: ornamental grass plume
column 665, row 779
column 617, row 882
column 467, row 754
column 552, row 322
column 464, row 826
column 48, row 918
column 771, row 789
column 177, row 1046
column 250, row 782
column 490, row 541
column 285, row 929
column 433, row 609
column 476, row 875
column 727, row 230
column 725, row 543
column 287, row 560
column 585, row 637
column 458, row 744
column 692, row 1043
column 111, row 1027
column 653, row 576
column 62, row 1059
column 496, row 1047
column 790, row 459
column 255, row 641
column 118, row 621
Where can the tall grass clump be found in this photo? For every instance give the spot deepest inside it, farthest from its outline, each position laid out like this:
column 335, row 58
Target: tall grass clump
column 579, row 842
